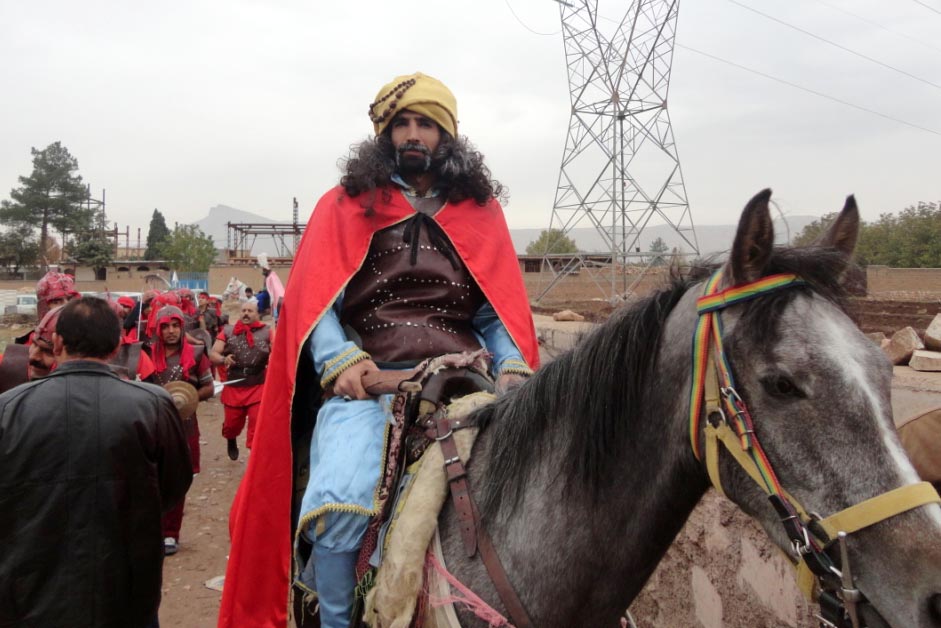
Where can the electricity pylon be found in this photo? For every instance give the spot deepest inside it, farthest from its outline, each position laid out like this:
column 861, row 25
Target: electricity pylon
column 620, row 170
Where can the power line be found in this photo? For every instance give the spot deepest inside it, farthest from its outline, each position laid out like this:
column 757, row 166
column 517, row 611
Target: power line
column 927, row 6
column 523, row 24
column 878, row 25
column 836, row 45
column 810, row 91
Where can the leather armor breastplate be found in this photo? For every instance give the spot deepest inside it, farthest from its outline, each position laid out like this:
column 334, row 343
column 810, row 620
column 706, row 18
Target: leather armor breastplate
column 174, row 371
column 249, row 361
column 413, row 299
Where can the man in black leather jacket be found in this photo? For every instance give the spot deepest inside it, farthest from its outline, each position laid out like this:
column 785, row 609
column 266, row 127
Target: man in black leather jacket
column 88, row 462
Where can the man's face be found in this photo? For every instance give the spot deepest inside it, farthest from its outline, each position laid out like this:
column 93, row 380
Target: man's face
column 415, row 138
column 123, row 311
column 54, row 303
column 250, row 313
column 203, row 301
column 171, row 332
column 41, row 357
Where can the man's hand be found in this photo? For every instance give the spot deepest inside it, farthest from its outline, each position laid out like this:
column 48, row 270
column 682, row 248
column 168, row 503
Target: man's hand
column 350, row 381
column 507, row 382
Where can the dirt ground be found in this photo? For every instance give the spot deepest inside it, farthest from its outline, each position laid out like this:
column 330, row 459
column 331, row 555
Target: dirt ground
column 204, row 539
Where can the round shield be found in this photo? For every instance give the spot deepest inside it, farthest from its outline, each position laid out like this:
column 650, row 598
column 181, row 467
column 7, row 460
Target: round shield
column 184, row 398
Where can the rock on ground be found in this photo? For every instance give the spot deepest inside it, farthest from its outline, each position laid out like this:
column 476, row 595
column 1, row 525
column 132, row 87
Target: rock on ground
column 567, row 315
column 904, row 342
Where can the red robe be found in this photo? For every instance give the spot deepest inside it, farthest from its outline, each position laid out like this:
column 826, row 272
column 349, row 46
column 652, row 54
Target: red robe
column 333, row 248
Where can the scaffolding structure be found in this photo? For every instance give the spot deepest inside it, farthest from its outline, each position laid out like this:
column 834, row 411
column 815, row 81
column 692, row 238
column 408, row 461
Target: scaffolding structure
column 620, row 170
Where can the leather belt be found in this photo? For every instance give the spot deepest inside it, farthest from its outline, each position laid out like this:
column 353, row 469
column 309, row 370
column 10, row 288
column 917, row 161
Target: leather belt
column 473, row 533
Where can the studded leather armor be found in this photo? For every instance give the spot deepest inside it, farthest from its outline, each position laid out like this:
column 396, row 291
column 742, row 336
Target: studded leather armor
column 174, row 372
column 250, row 362
column 413, row 298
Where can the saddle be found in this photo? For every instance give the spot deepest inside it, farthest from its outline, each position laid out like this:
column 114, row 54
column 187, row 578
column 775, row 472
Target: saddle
column 424, row 396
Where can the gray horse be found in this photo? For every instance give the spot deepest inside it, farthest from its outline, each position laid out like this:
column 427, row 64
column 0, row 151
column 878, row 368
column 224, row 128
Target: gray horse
column 586, row 473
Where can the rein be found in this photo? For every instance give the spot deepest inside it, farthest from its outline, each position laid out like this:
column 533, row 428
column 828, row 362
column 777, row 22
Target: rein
column 729, row 423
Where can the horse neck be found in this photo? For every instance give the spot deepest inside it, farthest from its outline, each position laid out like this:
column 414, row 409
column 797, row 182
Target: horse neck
column 578, row 559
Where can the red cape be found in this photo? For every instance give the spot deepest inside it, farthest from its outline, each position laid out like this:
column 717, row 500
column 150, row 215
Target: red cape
column 336, row 242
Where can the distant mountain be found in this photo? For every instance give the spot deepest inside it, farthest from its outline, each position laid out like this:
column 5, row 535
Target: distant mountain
column 215, row 225
column 711, row 238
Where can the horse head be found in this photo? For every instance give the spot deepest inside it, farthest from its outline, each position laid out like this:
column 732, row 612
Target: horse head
column 234, row 289
column 586, row 473
column 817, row 395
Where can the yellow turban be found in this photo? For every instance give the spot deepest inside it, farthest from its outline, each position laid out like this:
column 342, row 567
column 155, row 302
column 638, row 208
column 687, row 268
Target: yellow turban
column 420, row 93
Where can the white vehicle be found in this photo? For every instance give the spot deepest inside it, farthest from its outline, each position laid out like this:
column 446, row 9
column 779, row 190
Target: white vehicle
column 25, row 304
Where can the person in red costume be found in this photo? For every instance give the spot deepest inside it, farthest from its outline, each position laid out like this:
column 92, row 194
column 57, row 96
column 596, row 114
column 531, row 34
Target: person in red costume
column 243, row 349
column 408, row 258
column 175, row 359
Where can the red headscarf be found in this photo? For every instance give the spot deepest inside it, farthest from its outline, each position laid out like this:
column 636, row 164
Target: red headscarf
column 187, row 356
column 187, row 303
column 53, row 285
column 242, row 328
column 126, row 302
column 43, row 333
column 163, row 299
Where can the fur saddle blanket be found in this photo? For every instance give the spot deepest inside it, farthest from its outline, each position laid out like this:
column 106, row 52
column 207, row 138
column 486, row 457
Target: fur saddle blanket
column 392, row 601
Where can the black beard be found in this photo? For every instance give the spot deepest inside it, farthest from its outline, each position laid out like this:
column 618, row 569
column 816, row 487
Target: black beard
column 411, row 164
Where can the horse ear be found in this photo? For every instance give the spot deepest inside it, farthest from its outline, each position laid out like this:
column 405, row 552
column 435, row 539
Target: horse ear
column 844, row 231
column 754, row 241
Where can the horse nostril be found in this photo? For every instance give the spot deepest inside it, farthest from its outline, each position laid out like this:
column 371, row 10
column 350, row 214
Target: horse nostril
column 934, row 608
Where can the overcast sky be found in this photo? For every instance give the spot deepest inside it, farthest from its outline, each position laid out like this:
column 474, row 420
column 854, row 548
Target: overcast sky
column 183, row 106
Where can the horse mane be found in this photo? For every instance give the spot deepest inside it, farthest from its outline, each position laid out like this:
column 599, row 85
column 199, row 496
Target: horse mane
column 589, row 399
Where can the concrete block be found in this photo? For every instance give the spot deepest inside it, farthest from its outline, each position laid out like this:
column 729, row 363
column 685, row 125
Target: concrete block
column 904, row 342
column 925, row 360
column 933, row 334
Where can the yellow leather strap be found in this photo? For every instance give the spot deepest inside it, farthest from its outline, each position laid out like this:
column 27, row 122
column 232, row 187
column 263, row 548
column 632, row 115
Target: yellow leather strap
column 807, row 582
column 880, row 508
column 865, row 514
column 733, row 444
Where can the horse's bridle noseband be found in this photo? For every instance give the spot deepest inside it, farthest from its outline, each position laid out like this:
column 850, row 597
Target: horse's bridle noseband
column 713, row 395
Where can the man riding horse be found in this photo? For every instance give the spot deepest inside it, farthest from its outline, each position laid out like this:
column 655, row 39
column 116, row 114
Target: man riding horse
column 408, row 258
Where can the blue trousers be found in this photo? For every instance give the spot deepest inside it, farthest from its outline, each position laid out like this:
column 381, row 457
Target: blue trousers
column 335, row 552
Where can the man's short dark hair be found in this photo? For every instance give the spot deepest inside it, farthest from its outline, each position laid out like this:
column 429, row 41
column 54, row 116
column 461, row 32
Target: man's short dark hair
column 89, row 328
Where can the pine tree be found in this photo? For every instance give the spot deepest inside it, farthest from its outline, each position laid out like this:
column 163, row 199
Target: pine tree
column 157, row 235
column 52, row 196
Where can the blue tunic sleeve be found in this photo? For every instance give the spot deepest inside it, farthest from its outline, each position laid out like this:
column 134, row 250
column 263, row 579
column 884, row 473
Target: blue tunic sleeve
column 506, row 356
column 331, row 350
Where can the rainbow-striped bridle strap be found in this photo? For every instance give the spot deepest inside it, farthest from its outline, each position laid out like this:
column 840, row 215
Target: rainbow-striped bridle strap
column 713, row 394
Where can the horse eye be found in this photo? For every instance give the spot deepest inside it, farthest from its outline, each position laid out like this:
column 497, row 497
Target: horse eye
column 781, row 386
